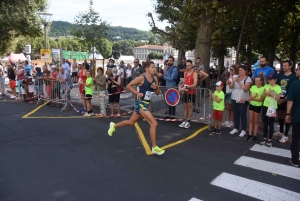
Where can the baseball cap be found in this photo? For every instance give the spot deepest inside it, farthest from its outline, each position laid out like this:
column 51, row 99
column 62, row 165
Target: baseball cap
column 219, row 84
column 272, row 77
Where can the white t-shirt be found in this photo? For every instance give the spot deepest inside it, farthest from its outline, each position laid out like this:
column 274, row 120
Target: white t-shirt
column 237, row 89
column 228, row 90
column 121, row 70
column 128, row 72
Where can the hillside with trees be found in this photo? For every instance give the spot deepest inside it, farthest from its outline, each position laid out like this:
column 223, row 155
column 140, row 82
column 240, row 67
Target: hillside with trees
column 60, row 28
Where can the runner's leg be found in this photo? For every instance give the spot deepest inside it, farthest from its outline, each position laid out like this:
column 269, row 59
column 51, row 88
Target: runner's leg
column 153, row 124
column 133, row 119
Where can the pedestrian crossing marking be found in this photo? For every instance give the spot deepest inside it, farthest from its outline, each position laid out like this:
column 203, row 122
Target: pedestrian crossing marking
column 194, row 199
column 266, row 166
column 253, row 188
column 272, row 151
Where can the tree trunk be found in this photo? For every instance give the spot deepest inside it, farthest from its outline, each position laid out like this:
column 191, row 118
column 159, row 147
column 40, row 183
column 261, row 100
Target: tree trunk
column 181, row 53
column 249, row 53
column 271, row 56
column 238, row 49
column 203, row 41
column 221, row 65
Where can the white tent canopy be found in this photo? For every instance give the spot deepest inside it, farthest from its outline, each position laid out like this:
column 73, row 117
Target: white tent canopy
column 16, row 57
column 126, row 58
column 96, row 56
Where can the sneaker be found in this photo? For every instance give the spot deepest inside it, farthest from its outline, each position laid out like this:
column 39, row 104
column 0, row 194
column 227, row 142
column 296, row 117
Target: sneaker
column 231, row 124
column 157, row 150
column 218, row 132
column 214, row 131
column 111, row 116
column 118, row 115
column 254, row 139
column 87, row 115
column 269, row 144
column 284, row 139
column 243, row 133
column 234, row 131
column 92, row 114
column 278, row 134
column 226, row 123
column 112, row 129
column 12, row 96
column 182, row 124
column 264, row 143
column 293, row 164
column 249, row 138
column 187, row 125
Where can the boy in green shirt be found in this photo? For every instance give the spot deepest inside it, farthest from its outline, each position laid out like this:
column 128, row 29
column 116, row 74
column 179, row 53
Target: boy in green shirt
column 88, row 94
column 218, row 105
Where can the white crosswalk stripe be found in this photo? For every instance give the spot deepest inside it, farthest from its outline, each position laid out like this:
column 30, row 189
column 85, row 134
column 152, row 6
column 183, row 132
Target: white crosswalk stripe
column 284, row 170
column 194, row 199
column 259, row 190
column 253, row 188
column 273, row 151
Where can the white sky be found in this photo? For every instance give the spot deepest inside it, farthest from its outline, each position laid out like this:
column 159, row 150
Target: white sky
column 126, row 13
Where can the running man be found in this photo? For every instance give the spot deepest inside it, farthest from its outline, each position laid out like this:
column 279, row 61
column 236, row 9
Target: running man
column 148, row 84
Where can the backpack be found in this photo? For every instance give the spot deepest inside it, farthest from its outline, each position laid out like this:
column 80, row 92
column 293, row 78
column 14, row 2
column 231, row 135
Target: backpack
column 178, row 75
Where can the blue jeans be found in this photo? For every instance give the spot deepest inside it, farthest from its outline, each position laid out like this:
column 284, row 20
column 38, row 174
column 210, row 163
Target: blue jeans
column 19, row 87
column 240, row 113
column 2, row 83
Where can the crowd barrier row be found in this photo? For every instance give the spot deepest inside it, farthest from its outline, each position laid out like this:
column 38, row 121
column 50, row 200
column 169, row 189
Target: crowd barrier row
column 59, row 93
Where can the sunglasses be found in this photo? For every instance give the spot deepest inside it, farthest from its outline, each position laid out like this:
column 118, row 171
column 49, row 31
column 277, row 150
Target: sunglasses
column 231, row 69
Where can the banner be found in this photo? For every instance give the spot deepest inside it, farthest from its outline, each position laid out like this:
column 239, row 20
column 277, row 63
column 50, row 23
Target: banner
column 45, row 56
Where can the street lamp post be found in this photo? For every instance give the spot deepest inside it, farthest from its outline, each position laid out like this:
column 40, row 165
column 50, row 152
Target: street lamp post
column 45, row 19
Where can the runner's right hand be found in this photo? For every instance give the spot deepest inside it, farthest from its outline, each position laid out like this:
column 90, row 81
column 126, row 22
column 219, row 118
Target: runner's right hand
column 139, row 95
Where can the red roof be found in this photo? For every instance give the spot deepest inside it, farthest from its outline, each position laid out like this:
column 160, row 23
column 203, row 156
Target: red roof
column 154, row 47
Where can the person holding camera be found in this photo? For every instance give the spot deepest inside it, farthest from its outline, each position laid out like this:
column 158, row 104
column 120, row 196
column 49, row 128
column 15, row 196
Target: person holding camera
column 114, row 84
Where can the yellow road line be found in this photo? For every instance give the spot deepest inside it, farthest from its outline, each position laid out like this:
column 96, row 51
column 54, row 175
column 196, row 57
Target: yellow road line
column 33, row 111
column 185, row 139
column 143, row 139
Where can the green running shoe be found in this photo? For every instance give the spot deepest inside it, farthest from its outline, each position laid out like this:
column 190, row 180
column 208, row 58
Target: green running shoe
column 111, row 129
column 157, row 150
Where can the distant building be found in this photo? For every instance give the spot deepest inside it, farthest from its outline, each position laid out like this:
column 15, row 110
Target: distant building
column 142, row 52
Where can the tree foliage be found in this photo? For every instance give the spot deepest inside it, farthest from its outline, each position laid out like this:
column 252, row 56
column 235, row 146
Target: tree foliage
column 18, row 18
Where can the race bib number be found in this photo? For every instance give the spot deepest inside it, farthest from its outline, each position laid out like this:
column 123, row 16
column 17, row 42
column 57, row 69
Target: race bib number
column 148, row 95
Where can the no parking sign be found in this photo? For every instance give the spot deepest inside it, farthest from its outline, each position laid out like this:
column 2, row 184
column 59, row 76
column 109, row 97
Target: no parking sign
column 172, row 97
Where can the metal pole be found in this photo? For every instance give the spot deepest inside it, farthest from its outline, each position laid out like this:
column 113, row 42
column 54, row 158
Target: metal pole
column 45, row 36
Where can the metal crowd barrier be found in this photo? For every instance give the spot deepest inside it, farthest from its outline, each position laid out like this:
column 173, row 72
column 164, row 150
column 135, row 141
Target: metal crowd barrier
column 161, row 108
column 54, row 91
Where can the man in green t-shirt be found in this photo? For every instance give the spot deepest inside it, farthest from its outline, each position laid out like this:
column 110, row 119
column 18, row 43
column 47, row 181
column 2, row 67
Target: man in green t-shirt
column 218, row 106
column 293, row 115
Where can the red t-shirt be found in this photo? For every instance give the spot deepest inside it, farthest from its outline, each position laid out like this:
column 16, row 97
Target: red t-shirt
column 189, row 80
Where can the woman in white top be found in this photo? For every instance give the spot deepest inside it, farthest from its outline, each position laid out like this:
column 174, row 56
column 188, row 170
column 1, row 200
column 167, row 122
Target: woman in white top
column 234, row 70
column 240, row 99
column 128, row 74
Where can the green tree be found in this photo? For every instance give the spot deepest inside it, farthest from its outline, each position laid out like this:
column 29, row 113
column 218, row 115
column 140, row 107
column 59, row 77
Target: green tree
column 122, row 47
column 18, row 18
column 89, row 27
column 152, row 40
column 104, row 47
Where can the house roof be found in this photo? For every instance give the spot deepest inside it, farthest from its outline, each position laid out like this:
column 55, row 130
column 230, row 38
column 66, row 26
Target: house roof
column 155, row 47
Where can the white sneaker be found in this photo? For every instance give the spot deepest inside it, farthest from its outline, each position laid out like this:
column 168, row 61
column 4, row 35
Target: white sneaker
column 226, row 123
column 284, row 139
column 182, row 124
column 187, row 125
column 92, row 114
column 278, row 134
column 87, row 115
column 231, row 124
column 234, row 131
column 243, row 133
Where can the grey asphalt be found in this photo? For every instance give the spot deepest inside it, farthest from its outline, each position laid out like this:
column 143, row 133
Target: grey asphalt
column 73, row 159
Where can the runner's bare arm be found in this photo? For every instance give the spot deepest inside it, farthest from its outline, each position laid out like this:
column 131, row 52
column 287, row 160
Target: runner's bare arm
column 137, row 81
column 157, row 89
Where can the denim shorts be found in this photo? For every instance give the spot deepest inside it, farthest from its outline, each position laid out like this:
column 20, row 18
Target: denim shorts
column 140, row 104
column 228, row 98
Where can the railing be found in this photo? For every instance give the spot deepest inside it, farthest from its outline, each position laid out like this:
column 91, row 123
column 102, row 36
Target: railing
column 54, row 91
column 202, row 106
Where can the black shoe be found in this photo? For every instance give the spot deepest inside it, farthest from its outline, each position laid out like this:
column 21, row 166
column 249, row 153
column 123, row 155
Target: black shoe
column 214, row 131
column 218, row 132
column 249, row 137
column 254, row 139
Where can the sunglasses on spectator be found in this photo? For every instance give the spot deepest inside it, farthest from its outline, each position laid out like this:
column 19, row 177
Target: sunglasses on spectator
column 135, row 62
column 231, row 69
